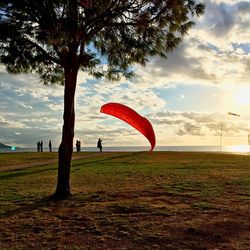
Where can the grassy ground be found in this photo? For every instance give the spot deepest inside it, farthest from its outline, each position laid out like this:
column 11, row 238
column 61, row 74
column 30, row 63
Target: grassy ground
column 159, row 200
column 8, row 159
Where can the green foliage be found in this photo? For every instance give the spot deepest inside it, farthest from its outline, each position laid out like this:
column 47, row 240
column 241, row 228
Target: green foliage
column 102, row 37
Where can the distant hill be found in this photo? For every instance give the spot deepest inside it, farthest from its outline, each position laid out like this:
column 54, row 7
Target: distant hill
column 4, row 146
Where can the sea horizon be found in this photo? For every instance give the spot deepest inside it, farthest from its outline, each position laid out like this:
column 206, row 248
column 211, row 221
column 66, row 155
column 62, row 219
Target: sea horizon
column 231, row 148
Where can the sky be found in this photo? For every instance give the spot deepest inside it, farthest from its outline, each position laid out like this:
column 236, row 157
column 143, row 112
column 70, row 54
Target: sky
column 186, row 97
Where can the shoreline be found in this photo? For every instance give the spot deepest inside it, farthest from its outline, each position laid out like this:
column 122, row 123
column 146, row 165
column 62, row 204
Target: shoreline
column 227, row 149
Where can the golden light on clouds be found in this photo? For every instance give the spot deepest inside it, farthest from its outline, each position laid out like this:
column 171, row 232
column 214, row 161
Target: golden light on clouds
column 242, row 97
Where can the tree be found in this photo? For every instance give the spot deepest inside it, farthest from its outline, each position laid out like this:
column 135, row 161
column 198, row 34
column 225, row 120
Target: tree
column 57, row 38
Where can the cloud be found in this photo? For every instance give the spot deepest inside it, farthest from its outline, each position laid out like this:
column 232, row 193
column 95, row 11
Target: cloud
column 24, row 105
column 182, row 64
column 10, row 123
column 28, row 137
column 193, row 129
column 215, row 53
column 55, row 107
column 209, row 54
column 219, row 18
column 199, row 124
column 243, row 7
column 226, row 20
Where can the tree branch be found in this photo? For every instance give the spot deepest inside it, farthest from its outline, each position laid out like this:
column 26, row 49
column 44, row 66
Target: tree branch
column 44, row 52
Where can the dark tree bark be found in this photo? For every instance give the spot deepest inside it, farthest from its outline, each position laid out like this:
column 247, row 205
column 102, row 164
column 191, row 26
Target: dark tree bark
column 66, row 146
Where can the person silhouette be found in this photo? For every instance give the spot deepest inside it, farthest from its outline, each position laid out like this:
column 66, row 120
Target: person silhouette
column 41, row 146
column 38, row 146
column 50, row 146
column 99, row 144
column 79, row 146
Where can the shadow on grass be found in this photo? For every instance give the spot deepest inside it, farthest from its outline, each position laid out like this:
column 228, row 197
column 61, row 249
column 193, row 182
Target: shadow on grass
column 38, row 203
column 108, row 159
column 45, row 204
column 24, row 172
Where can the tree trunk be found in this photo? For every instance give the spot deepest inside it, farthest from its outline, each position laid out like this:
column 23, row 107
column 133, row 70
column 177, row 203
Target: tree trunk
column 66, row 146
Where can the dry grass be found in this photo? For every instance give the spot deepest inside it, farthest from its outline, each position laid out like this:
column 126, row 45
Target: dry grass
column 159, row 200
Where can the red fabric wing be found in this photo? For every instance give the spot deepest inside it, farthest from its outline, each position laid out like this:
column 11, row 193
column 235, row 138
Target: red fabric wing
column 128, row 115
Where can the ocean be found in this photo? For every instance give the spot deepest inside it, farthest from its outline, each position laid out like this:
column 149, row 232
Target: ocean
column 236, row 148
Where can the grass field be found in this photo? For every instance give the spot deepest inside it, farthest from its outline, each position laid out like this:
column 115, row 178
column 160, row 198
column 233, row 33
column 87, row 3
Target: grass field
column 129, row 200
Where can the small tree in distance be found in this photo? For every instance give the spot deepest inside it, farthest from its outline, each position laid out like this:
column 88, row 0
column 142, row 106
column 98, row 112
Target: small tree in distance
column 57, row 38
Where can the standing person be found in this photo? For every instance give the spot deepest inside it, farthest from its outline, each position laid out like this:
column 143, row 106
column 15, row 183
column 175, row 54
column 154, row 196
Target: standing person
column 99, row 144
column 77, row 146
column 41, row 145
column 38, row 146
column 50, row 146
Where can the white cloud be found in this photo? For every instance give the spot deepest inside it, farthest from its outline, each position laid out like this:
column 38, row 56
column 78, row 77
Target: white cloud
column 55, row 107
column 10, row 123
column 216, row 52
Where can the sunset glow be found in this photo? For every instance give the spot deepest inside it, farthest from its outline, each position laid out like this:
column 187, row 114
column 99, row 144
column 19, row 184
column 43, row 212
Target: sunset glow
column 242, row 96
column 185, row 97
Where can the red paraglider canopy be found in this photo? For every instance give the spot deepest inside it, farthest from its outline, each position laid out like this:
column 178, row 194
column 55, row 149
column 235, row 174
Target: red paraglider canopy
column 130, row 116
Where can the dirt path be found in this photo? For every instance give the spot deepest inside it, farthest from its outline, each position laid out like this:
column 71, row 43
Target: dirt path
column 41, row 163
